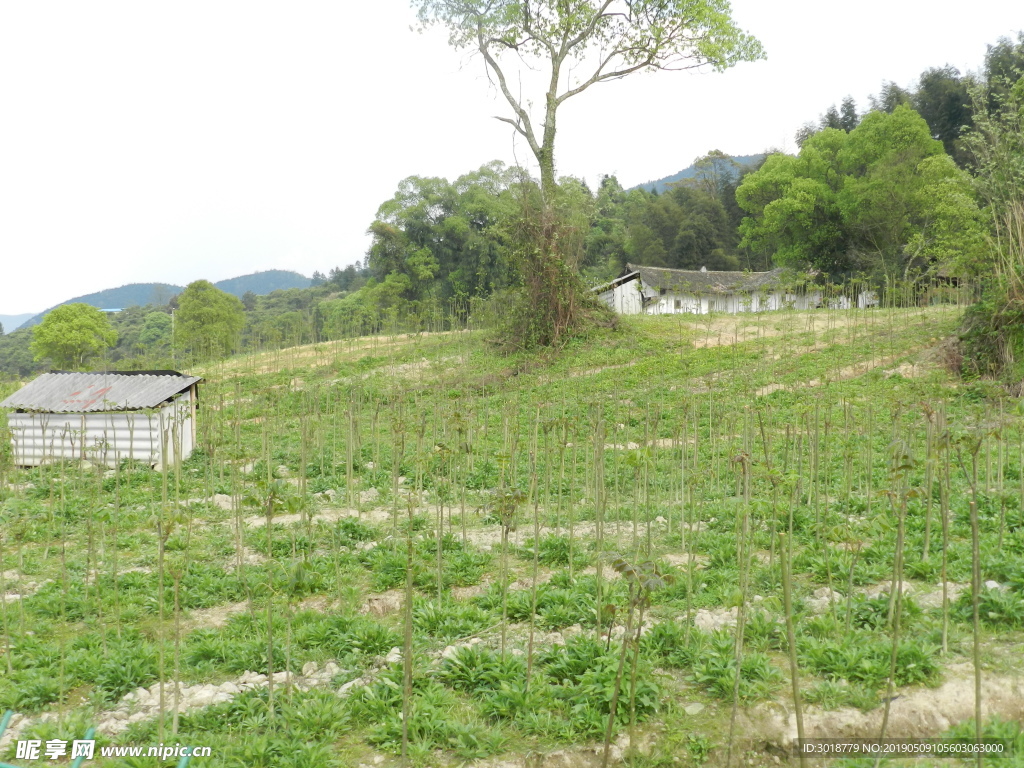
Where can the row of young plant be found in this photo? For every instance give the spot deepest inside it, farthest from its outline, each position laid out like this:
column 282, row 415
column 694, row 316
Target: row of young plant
column 879, row 481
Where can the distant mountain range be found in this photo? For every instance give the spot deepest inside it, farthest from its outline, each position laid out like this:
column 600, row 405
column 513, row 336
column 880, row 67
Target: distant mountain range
column 10, row 322
column 661, row 185
column 140, row 294
column 262, row 283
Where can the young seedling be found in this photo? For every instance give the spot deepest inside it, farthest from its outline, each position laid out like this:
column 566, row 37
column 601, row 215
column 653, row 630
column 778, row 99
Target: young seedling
column 643, row 579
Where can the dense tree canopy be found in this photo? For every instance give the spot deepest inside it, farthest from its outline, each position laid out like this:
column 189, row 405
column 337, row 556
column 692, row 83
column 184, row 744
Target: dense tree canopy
column 883, row 199
column 686, row 228
column 155, row 335
column 444, row 238
column 209, row 321
column 71, row 335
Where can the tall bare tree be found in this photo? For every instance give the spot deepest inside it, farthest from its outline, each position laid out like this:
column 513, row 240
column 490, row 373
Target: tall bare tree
column 583, row 42
column 574, row 44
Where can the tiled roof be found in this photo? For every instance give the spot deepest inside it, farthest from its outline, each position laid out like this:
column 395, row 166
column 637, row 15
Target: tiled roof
column 698, row 282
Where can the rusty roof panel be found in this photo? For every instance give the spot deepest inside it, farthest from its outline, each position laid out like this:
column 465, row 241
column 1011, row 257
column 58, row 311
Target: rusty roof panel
column 89, row 392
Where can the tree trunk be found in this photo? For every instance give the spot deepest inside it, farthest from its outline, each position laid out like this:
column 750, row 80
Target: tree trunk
column 546, row 155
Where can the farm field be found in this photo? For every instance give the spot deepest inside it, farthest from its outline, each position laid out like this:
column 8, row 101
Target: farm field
column 654, row 547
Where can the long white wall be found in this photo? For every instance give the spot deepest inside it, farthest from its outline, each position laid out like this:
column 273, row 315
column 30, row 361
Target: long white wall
column 733, row 303
column 104, row 438
column 626, row 299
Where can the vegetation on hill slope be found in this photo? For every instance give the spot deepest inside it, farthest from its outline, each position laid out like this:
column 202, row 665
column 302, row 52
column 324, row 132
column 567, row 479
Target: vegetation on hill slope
column 261, row 283
column 729, row 164
column 445, row 549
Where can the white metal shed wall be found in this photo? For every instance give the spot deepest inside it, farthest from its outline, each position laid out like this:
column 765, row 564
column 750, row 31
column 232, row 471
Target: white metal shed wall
column 104, row 437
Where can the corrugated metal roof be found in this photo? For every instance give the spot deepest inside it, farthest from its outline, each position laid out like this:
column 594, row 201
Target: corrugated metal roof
column 694, row 281
column 87, row 392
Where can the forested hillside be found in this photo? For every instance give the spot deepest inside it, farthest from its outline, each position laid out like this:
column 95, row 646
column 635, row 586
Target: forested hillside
column 728, row 164
column 894, row 193
column 262, row 283
column 158, row 294
column 10, row 323
column 132, row 295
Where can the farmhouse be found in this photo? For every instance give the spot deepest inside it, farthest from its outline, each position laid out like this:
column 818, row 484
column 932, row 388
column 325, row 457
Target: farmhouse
column 149, row 416
column 658, row 291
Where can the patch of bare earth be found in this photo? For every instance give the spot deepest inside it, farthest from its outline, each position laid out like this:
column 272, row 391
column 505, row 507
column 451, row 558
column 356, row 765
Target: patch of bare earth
column 330, row 515
column 735, row 329
column 917, row 713
column 215, row 617
column 490, row 537
column 844, row 374
column 245, row 556
column 591, row 756
column 16, row 587
column 384, row 603
column 322, row 354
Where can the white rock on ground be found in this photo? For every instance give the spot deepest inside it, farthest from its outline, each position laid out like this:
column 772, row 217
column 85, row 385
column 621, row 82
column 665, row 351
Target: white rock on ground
column 716, row 618
column 933, row 598
column 884, row 588
column 823, row 599
column 144, row 703
column 383, row 604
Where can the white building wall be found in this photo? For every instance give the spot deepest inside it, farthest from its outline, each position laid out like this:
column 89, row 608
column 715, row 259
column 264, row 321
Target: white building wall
column 624, row 299
column 627, row 299
column 104, row 438
column 732, row 303
column 867, row 299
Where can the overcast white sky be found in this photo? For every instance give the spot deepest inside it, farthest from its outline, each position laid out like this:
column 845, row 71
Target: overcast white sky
column 169, row 142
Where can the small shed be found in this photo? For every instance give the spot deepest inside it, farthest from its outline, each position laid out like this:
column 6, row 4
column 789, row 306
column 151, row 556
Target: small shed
column 659, row 291
column 149, row 416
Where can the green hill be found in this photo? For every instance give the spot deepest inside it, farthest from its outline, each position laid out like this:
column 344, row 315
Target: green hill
column 660, row 185
column 133, row 294
column 140, row 294
column 13, row 322
column 262, row 283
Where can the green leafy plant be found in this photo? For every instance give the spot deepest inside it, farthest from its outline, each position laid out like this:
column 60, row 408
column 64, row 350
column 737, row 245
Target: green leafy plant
column 476, row 669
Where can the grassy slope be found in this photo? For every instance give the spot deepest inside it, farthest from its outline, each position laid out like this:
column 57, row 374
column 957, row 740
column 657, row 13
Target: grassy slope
column 630, row 444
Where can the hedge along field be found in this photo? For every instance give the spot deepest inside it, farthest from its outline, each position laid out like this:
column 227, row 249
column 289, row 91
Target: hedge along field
column 682, row 542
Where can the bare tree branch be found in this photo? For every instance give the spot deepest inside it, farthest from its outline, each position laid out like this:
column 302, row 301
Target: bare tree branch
column 525, row 126
column 511, row 122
